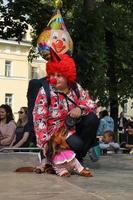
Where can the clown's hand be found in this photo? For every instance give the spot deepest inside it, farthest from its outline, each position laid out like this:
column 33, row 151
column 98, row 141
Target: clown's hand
column 75, row 112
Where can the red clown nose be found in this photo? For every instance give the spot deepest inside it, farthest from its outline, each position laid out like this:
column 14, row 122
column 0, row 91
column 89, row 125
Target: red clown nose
column 53, row 81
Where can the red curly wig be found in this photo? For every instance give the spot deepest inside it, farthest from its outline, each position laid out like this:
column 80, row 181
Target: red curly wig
column 66, row 66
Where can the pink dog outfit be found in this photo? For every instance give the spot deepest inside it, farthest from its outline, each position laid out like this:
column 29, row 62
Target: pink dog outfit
column 65, row 161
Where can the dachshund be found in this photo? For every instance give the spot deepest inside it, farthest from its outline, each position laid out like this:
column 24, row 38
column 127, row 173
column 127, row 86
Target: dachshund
column 62, row 159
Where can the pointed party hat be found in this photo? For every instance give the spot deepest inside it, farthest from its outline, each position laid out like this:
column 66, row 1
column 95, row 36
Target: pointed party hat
column 54, row 56
column 55, row 36
column 57, row 22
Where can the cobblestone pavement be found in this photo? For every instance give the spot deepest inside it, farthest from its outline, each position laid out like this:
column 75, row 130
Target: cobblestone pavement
column 113, row 175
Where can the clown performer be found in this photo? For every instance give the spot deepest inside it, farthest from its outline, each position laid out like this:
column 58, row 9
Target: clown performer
column 75, row 114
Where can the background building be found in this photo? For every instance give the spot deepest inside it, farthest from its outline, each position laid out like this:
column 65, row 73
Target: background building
column 16, row 71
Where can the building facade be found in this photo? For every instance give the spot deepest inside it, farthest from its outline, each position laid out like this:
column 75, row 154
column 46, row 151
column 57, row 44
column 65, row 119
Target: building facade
column 16, row 71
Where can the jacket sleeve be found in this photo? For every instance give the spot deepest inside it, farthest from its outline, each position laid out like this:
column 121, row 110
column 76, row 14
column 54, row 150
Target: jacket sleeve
column 40, row 114
column 85, row 102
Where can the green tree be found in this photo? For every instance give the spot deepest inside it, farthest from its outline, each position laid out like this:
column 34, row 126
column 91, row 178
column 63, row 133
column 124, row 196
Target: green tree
column 119, row 41
column 104, row 50
column 103, row 41
column 17, row 14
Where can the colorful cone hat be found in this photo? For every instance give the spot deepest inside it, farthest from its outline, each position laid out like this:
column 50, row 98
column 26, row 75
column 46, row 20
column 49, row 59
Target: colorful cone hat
column 55, row 36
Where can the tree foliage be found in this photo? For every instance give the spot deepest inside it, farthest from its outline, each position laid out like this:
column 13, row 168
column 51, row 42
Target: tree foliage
column 102, row 35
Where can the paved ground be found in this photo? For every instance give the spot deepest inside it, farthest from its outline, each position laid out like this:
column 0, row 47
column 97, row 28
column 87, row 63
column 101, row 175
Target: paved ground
column 113, row 180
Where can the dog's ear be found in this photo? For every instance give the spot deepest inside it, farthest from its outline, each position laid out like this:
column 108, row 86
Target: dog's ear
column 57, row 143
column 61, row 140
column 56, row 139
column 64, row 145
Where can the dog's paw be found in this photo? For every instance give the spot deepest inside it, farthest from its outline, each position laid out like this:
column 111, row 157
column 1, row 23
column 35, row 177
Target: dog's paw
column 38, row 170
column 49, row 170
column 86, row 173
column 46, row 169
column 66, row 174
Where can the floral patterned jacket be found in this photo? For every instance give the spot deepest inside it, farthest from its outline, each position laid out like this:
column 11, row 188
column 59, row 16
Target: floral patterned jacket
column 49, row 119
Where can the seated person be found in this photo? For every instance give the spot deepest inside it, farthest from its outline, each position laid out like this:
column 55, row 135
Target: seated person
column 106, row 142
column 105, row 132
column 21, row 138
column 7, row 126
column 106, row 123
column 128, row 143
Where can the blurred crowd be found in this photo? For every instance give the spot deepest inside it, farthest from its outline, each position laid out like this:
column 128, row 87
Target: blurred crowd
column 15, row 134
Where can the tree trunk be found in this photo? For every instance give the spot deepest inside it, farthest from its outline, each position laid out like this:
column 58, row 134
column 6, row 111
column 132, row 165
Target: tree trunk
column 111, row 73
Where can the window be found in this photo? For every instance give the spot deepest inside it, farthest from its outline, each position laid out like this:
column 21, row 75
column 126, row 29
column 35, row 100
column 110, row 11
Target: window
column 7, row 68
column 18, row 50
column 34, row 72
column 8, row 99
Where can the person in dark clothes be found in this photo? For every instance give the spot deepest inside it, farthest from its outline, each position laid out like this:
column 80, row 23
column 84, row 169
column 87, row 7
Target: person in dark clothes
column 21, row 138
column 122, row 126
column 128, row 142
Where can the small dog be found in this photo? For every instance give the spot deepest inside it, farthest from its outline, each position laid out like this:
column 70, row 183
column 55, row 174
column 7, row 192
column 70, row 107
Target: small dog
column 62, row 159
